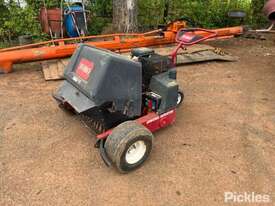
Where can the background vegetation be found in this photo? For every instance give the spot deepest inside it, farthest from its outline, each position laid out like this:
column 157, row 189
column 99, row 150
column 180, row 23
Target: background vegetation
column 20, row 19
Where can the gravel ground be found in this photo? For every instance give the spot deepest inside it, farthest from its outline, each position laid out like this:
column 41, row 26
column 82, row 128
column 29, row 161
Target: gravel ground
column 223, row 140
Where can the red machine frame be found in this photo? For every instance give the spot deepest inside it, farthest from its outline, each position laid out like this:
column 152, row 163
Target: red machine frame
column 151, row 121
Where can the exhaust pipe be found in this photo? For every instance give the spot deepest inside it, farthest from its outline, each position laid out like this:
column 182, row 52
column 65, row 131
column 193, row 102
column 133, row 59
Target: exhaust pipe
column 269, row 10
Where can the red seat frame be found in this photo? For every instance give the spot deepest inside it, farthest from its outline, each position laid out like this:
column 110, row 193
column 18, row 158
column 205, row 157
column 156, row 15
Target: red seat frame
column 190, row 39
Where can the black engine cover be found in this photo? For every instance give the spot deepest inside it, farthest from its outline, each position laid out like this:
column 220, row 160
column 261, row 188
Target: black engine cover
column 153, row 65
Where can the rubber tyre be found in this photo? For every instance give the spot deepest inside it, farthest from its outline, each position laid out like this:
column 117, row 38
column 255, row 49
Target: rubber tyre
column 181, row 94
column 122, row 137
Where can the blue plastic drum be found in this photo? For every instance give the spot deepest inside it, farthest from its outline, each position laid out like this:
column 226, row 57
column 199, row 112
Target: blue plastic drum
column 75, row 11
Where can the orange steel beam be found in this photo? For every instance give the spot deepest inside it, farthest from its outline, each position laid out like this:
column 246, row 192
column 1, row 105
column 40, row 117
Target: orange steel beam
column 115, row 42
column 86, row 38
column 225, row 32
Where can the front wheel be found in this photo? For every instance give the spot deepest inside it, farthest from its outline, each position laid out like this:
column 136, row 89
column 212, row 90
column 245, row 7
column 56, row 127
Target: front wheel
column 129, row 146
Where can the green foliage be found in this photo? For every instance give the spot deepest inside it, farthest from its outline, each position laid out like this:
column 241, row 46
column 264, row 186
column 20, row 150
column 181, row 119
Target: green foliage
column 16, row 21
column 205, row 13
column 99, row 16
column 256, row 13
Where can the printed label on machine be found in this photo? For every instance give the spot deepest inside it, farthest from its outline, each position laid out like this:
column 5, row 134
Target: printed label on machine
column 85, row 67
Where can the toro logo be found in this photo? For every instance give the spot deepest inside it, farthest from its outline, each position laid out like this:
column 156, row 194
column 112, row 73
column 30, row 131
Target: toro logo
column 85, row 67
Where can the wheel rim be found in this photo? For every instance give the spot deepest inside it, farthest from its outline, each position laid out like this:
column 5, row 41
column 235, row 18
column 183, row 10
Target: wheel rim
column 135, row 152
column 179, row 99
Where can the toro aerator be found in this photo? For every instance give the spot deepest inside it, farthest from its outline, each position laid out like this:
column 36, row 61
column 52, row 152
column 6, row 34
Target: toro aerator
column 124, row 100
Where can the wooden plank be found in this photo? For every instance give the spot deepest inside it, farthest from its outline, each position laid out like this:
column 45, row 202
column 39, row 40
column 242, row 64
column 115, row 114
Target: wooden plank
column 54, row 69
column 203, row 56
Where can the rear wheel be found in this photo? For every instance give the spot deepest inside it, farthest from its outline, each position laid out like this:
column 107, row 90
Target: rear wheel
column 129, row 146
column 180, row 98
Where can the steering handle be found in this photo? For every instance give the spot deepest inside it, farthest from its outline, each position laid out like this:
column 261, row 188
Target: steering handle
column 211, row 34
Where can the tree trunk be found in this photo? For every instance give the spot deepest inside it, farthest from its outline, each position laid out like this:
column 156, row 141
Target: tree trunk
column 166, row 10
column 125, row 14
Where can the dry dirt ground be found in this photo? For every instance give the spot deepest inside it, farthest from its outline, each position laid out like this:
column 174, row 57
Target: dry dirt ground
column 223, row 140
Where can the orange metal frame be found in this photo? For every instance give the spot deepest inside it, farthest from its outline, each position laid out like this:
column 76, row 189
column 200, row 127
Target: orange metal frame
column 116, row 42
